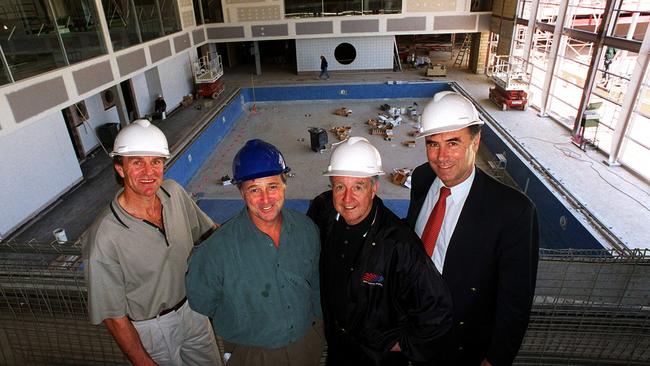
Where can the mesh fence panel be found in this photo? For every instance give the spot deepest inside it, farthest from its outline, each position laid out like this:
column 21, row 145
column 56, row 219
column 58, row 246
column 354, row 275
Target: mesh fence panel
column 43, row 316
column 590, row 308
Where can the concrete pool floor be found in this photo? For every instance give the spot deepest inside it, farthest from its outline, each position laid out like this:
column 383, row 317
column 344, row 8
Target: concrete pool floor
column 285, row 125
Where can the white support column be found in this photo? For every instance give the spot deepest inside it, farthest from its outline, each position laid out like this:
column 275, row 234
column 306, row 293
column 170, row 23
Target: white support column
column 552, row 57
column 530, row 32
column 258, row 64
column 630, row 99
column 103, row 25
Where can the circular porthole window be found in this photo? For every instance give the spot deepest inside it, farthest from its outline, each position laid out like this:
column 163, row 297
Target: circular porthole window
column 345, row 53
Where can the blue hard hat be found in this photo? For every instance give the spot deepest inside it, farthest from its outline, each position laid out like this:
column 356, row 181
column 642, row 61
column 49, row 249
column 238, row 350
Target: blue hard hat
column 257, row 159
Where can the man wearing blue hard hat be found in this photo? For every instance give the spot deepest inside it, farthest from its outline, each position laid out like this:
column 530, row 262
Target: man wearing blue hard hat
column 257, row 276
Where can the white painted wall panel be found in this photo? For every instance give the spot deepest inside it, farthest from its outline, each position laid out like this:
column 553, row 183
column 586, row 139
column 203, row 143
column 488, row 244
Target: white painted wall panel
column 38, row 164
column 97, row 116
column 143, row 97
column 373, row 53
column 176, row 79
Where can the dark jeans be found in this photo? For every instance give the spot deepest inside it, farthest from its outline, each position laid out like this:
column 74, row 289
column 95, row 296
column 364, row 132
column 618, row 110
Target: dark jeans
column 323, row 72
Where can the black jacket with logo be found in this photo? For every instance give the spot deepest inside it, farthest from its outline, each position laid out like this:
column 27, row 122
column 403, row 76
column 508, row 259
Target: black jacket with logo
column 406, row 300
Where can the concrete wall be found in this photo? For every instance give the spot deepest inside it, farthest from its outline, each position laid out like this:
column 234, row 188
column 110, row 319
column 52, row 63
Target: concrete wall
column 38, row 163
column 373, row 53
column 176, row 79
column 143, row 99
column 97, row 116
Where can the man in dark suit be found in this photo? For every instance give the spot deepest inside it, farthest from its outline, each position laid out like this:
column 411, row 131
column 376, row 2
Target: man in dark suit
column 480, row 234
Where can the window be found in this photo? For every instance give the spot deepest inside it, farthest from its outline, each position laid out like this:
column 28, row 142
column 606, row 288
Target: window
column 132, row 22
column 210, row 11
column 307, row 9
column 39, row 36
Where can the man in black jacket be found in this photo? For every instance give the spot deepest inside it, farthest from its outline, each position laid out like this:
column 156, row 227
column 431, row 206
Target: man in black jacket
column 481, row 235
column 383, row 301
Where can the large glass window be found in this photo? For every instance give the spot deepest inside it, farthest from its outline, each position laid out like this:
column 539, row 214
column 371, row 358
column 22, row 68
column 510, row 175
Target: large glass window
column 149, row 21
column 170, row 17
column 41, row 35
column 547, row 11
column 572, row 66
column 122, row 23
column 382, row 7
column 524, row 9
column 342, row 7
column 630, row 19
column 131, row 22
column 636, row 143
column 79, row 28
column 212, row 12
column 585, row 15
column 305, row 9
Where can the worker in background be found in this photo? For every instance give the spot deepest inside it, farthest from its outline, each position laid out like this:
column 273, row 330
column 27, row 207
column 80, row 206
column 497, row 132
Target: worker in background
column 257, row 276
column 384, row 303
column 135, row 258
column 610, row 54
column 323, row 68
column 160, row 107
column 481, row 235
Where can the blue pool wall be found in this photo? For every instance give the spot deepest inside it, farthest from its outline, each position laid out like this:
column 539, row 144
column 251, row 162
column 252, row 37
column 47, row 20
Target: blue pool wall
column 571, row 235
column 195, row 154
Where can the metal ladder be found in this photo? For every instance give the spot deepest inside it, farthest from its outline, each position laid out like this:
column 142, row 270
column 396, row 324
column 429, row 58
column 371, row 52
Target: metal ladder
column 464, row 50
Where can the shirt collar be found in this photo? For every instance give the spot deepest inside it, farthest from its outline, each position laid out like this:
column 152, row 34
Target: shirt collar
column 122, row 216
column 365, row 224
column 459, row 191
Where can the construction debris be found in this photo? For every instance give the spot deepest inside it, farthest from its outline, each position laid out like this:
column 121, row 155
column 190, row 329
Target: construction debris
column 342, row 132
column 343, row 112
column 402, row 177
column 409, row 143
column 187, row 100
column 437, row 70
column 225, row 180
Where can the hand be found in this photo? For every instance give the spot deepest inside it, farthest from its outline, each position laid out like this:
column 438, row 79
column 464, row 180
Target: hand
column 485, row 362
column 396, row 348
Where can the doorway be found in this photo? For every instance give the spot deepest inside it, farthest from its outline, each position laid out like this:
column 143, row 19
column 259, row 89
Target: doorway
column 129, row 100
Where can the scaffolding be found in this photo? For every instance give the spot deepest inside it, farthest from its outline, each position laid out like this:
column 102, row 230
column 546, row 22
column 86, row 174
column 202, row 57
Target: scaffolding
column 590, row 308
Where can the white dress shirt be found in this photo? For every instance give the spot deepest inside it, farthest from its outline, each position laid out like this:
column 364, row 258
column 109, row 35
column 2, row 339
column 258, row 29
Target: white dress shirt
column 455, row 203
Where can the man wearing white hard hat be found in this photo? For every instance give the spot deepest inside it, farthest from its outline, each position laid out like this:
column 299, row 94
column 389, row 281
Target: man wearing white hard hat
column 481, row 235
column 383, row 301
column 135, row 257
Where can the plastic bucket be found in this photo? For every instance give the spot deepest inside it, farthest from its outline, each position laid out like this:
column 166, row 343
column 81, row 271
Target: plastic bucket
column 59, row 235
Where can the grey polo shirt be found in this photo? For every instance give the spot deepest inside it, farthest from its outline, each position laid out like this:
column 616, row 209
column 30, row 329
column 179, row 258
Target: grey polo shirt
column 132, row 267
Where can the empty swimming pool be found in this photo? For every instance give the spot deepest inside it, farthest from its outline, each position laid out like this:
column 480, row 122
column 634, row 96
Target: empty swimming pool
column 282, row 116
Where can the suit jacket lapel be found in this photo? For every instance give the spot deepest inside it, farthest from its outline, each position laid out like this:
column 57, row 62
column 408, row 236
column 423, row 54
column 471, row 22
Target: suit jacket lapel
column 464, row 238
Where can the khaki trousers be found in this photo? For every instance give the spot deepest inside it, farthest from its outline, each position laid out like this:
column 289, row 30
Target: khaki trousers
column 306, row 351
column 182, row 337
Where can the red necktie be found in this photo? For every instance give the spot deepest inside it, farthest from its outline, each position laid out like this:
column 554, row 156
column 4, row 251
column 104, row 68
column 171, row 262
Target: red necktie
column 432, row 229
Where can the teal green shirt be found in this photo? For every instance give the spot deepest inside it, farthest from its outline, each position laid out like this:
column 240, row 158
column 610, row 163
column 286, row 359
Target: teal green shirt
column 257, row 294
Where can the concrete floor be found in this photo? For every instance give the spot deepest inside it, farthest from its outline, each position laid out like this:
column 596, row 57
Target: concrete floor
column 620, row 200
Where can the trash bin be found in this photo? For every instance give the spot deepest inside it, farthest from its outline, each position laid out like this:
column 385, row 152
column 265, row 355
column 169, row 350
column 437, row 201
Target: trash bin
column 318, row 138
column 107, row 133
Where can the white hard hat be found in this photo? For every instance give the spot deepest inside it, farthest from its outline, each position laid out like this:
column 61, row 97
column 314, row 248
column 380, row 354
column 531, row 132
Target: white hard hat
column 354, row 157
column 448, row 111
column 140, row 138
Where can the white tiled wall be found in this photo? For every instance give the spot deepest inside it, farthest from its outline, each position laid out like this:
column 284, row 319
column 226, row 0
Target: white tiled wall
column 373, row 53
